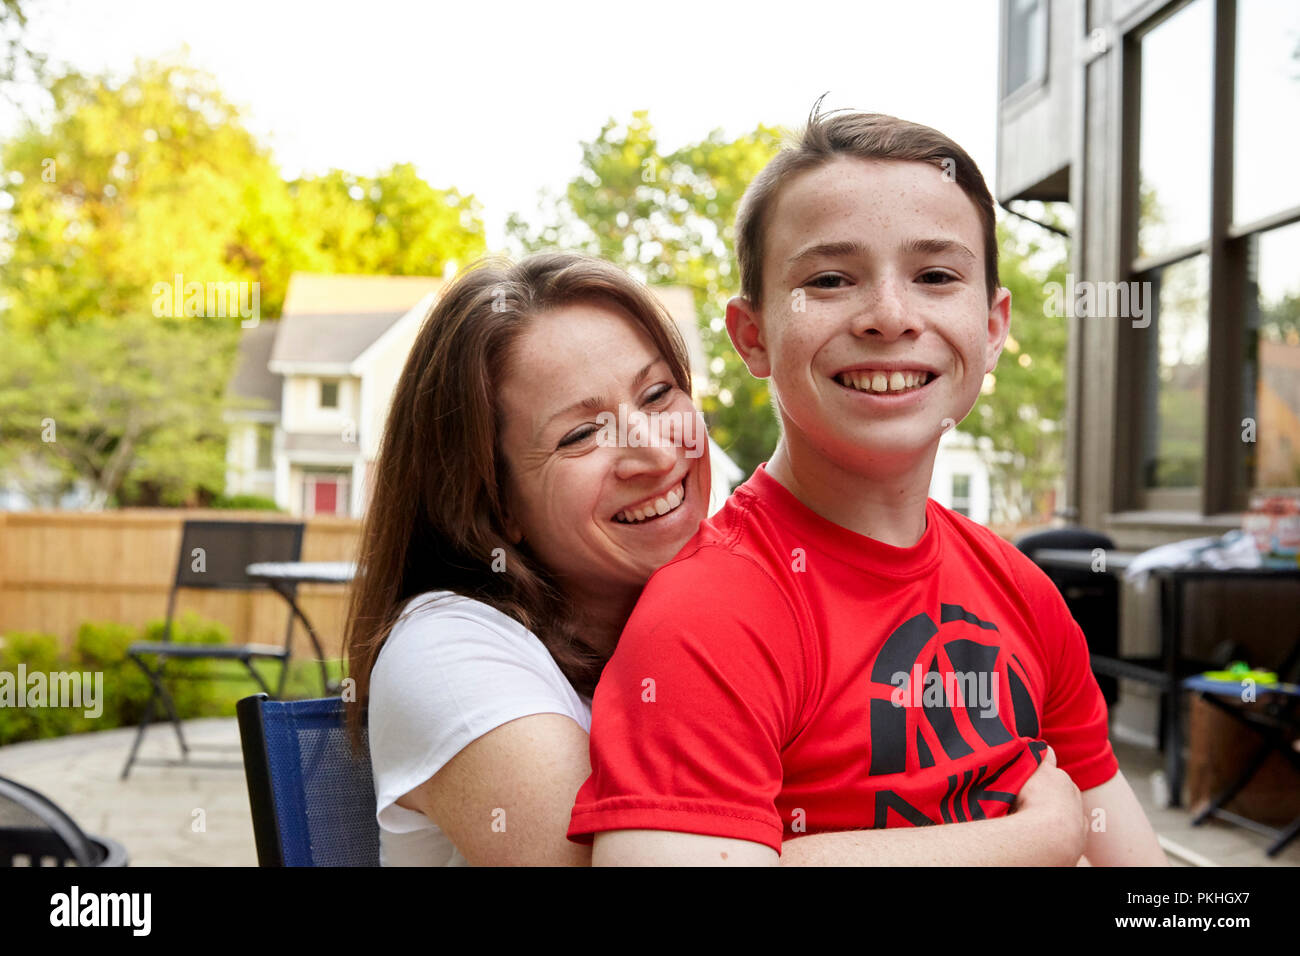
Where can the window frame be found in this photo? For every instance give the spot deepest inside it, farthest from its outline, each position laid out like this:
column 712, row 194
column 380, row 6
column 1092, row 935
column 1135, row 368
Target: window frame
column 1033, row 83
column 320, row 394
column 1224, row 490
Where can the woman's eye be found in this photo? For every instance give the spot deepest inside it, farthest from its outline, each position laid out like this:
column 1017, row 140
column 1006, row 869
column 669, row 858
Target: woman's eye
column 658, row 393
column 577, row 435
column 937, row 277
column 828, row 281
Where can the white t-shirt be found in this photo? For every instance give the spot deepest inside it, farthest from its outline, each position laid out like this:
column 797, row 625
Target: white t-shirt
column 451, row 670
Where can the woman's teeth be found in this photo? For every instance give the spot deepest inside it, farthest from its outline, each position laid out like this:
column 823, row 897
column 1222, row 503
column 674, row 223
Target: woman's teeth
column 871, row 381
column 653, row 509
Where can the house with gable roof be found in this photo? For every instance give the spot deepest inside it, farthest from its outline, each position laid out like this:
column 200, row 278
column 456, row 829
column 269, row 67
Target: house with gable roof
column 313, row 388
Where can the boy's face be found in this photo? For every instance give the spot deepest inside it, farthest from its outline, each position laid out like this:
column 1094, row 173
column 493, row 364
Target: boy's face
column 876, row 327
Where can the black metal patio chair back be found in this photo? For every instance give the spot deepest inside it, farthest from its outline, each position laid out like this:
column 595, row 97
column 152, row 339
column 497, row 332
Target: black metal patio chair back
column 1093, row 599
column 214, row 555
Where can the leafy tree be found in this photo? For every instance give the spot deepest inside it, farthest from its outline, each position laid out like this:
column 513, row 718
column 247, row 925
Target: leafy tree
column 131, row 404
column 123, row 187
column 17, row 61
column 667, row 218
column 127, row 185
column 392, row 224
column 1020, row 416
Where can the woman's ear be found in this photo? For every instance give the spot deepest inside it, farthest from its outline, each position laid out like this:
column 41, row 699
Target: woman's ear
column 514, row 534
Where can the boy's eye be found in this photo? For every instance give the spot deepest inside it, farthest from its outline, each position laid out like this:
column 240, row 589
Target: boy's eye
column 937, row 277
column 830, row 280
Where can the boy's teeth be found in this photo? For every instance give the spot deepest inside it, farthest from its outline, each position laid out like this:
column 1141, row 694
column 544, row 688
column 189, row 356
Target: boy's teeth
column 869, row 381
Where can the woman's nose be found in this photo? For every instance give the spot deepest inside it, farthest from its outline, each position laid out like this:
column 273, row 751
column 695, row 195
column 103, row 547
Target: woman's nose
column 650, row 445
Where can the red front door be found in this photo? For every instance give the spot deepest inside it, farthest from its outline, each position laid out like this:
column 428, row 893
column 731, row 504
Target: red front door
column 325, row 496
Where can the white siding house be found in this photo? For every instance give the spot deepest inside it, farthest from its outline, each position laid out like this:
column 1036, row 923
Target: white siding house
column 315, row 388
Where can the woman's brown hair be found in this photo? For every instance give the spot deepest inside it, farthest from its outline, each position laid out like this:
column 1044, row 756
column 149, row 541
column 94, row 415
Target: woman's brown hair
column 438, row 507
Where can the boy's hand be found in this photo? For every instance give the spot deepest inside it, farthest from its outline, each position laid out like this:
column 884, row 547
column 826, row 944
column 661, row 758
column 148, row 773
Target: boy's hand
column 1052, row 799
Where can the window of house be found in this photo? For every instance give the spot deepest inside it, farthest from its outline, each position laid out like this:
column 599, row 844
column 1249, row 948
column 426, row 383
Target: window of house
column 1176, row 370
column 329, row 393
column 961, row 494
column 1215, row 219
column 265, row 440
column 1175, row 115
column 1266, row 110
column 1271, row 380
column 1025, row 62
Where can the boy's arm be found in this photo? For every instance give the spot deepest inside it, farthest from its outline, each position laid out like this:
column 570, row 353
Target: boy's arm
column 1045, row 828
column 1119, row 833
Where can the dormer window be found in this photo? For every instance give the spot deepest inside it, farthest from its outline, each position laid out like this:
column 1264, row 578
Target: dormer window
column 329, row 393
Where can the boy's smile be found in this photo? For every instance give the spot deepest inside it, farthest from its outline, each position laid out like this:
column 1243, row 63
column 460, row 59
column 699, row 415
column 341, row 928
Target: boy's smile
column 875, row 325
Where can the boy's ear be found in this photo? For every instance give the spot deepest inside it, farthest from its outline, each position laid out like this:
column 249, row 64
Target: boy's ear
column 746, row 331
column 998, row 328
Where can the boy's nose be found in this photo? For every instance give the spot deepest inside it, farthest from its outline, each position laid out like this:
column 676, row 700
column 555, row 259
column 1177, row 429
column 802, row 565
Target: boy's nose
column 884, row 314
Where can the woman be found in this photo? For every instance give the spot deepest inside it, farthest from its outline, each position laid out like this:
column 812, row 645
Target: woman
column 509, row 534
column 505, row 544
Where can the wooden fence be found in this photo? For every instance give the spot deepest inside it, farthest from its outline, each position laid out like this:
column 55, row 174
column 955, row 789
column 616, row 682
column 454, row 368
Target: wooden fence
column 61, row 568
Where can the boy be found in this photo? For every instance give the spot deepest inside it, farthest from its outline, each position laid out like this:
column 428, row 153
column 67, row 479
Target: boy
column 833, row 650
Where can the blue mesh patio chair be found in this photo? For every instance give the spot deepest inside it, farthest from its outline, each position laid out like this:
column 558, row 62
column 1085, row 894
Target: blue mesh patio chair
column 312, row 796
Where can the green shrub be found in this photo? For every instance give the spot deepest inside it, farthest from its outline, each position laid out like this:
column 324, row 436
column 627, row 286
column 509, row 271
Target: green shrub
column 244, row 503
column 40, row 654
column 199, row 688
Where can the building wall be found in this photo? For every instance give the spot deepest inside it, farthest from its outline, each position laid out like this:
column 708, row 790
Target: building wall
column 1102, row 446
column 1035, row 140
column 378, row 383
column 302, row 411
column 243, row 477
column 957, row 455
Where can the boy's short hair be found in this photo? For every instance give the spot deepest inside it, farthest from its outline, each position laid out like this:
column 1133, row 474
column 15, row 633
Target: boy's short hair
column 866, row 136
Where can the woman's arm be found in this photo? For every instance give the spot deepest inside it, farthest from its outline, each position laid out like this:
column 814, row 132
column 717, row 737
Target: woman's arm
column 505, row 799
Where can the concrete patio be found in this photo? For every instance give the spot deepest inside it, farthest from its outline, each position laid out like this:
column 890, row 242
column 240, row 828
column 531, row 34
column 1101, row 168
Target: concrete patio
column 154, row 812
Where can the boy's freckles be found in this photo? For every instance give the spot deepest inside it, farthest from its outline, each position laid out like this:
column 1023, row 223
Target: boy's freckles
column 876, row 266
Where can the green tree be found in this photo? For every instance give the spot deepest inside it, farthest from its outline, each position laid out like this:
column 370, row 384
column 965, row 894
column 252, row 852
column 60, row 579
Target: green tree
column 128, row 184
column 392, row 224
column 667, row 218
column 17, row 61
column 1019, row 420
column 120, row 189
column 131, row 405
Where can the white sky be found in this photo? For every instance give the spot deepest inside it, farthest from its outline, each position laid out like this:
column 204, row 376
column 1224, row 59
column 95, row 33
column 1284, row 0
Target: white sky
column 494, row 98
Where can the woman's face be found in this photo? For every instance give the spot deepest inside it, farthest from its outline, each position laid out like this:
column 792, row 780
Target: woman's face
column 585, row 498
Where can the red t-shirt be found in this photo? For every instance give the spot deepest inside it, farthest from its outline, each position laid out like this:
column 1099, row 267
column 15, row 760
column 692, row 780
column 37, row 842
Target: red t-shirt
column 783, row 675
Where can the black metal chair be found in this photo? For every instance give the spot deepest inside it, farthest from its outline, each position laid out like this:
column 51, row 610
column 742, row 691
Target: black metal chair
column 35, row 832
column 312, row 796
column 1276, row 725
column 1093, row 599
column 214, row 555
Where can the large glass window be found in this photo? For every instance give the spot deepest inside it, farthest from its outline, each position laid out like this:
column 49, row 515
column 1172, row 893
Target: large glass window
column 1176, row 352
column 1025, row 62
column 1174, row 152
column 1267, row 110
column 1272, row 371
column 265, row 445
column 961, row 494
